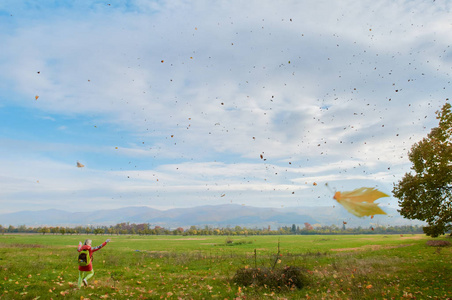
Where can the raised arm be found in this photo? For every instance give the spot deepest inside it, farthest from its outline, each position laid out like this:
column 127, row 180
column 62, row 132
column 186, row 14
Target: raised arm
column 79, row 246
column 100, row 246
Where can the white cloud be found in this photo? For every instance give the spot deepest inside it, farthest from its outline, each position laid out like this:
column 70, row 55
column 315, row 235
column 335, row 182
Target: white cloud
column 196, row 91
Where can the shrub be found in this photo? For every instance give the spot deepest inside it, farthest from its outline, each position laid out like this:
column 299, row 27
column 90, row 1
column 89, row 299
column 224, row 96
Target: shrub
column 230, row 242
column 286, row 278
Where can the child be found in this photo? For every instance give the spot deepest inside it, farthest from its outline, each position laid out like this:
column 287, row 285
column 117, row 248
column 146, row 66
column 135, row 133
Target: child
column 86, row 272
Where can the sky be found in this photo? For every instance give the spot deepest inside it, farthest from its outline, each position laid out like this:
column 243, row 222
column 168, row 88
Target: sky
column 173, row 104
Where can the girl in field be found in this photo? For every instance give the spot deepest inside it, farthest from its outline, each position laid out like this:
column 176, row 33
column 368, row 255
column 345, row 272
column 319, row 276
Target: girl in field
column 86, row 265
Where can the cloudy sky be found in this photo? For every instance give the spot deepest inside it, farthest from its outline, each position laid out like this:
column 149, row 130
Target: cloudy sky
column 184, row 103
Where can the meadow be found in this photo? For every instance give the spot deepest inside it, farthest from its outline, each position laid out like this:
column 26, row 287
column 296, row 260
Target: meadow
column 202, row 267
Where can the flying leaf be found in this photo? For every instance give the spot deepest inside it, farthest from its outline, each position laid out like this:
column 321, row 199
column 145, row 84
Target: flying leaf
column 80, row 165
column 360, row 202
column 36, row 97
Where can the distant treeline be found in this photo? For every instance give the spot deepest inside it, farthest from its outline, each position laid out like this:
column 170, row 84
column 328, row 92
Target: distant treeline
column 148, row 229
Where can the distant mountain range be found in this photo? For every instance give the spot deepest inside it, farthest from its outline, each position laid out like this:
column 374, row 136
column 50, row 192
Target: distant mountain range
column 210, row 215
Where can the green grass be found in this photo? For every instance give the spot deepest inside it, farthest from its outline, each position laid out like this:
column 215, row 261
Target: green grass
column 172, row 267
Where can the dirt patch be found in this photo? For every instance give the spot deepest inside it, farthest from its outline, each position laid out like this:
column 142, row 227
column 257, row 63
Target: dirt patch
column 413, row 237
column 402, row 236
column 181, row 239
column 370, row 248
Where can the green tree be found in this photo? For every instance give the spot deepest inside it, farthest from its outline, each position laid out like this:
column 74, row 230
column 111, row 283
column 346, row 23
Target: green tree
column 426, row 193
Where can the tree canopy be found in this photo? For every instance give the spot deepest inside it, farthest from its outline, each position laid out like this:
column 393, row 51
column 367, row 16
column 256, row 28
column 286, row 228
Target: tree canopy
column 425, row 194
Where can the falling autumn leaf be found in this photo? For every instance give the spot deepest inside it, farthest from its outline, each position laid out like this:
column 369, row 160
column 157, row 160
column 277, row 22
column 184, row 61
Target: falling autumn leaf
column 80, row 165
column 360, row 202
column 36, row 97
column 314, row 184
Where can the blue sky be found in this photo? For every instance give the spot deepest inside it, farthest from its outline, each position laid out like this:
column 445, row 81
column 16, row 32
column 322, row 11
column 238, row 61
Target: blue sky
column 172, row 103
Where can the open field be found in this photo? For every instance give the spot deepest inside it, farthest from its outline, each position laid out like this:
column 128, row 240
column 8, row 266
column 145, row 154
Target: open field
column 178, row 267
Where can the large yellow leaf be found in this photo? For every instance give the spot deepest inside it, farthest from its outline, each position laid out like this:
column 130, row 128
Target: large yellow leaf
column 360, row 202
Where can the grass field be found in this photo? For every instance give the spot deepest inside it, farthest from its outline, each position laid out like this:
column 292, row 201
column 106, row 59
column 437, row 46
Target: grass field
column 178, row 267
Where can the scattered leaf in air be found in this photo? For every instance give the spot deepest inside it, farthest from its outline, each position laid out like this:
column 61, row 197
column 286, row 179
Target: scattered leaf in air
column 223, row 195
column 36, row 97
column 80, row 165
column 314, row 184
column 345, row 223
column 262, row 156
column 372, row 217
column 360, row 202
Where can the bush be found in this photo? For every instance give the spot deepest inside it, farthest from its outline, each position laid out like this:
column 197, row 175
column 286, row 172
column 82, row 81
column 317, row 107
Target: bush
column 286, row 278
column 230, row 242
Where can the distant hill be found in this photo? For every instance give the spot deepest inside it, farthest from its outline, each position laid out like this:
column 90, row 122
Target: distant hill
column 211, row 215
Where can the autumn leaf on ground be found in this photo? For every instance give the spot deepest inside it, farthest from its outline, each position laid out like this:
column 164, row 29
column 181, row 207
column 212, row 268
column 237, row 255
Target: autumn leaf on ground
column 360, row 202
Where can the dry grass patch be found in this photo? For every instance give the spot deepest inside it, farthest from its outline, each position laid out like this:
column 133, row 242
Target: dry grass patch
column 22, row 246
column 438, row 243
column 371, row 248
